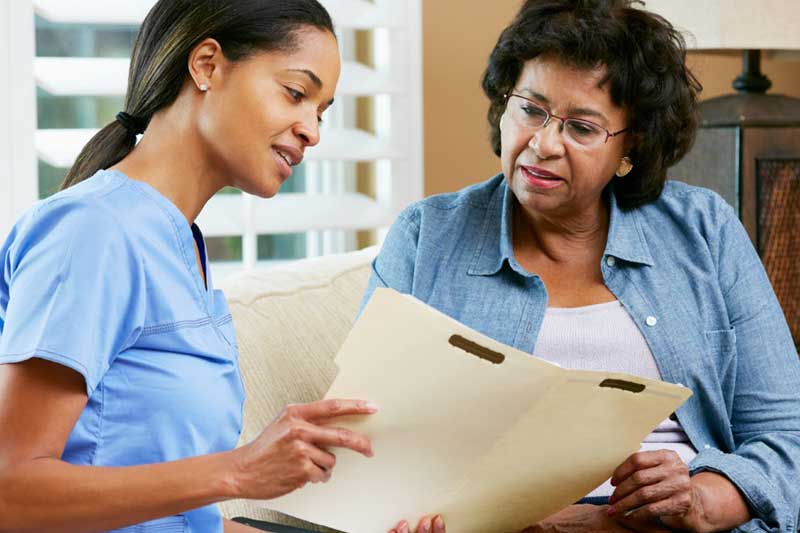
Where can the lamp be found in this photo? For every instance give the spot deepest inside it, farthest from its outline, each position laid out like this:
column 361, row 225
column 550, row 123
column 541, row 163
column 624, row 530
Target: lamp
column 748, row 145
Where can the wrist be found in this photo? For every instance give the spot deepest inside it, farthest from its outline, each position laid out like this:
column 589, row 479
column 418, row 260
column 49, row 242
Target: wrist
column 717, row 505
column 231, row 474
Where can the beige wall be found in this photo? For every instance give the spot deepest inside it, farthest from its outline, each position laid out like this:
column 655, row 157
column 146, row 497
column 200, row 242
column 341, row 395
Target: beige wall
column 457, row 41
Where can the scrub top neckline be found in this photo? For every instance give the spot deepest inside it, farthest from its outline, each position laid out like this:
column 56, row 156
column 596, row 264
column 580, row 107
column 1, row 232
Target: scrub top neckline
column 185, row 233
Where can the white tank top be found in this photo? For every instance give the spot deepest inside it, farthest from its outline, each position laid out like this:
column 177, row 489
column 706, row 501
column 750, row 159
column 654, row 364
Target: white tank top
column 605, row 337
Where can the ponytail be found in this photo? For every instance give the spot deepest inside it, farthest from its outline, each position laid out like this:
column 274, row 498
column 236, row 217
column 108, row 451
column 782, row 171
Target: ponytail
column 108, row 147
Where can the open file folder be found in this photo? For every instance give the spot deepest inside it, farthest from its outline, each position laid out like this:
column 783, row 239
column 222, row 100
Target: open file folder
column 490, row 437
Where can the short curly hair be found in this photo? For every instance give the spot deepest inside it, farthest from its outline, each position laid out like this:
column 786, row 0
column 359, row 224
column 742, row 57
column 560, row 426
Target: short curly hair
column 646, row 73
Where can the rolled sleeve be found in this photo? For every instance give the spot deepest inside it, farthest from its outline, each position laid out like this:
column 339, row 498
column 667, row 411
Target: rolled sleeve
column 763, row 496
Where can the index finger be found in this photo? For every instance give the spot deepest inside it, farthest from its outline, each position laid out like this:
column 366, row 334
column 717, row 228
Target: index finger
column 325, row 409
column 637, row 461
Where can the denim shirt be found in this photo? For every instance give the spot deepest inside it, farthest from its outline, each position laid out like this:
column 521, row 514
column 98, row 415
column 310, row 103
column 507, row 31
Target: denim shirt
column 687, row 273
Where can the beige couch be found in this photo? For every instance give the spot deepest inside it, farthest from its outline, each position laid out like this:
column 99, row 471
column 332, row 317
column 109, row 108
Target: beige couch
column 290, row 322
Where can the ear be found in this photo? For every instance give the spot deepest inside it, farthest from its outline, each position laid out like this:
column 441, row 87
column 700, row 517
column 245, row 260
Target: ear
column 206, row 64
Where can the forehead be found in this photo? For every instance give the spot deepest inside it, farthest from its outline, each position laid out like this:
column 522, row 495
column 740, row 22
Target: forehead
column 316, row 51
column 565, row 85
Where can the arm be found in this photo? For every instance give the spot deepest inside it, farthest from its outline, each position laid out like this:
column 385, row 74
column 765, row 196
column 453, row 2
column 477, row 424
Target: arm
column 765, row 413
column 755, row 484
column 41, row 401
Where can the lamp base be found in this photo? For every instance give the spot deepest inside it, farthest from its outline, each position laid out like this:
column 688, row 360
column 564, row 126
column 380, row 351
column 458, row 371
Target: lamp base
column 751, row 80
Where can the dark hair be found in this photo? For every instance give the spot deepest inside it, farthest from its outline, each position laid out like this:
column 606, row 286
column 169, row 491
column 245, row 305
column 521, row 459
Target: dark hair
column 644, row 58
column 160, row 55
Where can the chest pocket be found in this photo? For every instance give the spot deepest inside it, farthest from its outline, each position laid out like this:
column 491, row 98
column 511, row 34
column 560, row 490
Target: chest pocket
column 721, row 342
column 170, row 524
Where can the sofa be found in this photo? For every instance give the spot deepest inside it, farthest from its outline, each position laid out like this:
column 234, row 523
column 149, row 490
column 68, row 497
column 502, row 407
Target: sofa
column 290, row 321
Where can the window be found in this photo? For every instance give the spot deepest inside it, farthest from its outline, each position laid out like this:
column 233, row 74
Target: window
column 68, row 63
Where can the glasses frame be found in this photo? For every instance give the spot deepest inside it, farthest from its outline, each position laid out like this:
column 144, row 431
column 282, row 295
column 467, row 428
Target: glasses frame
column 549, row 115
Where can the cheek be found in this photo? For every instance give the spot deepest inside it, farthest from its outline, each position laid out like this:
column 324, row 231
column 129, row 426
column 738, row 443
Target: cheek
column 511, row 146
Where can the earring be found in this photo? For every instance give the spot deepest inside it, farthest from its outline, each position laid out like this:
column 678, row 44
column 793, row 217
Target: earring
column 625, row 167
column 203, row 87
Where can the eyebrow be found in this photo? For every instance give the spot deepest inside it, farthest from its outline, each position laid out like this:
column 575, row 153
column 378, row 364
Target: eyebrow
column 314, row 79
column 571, row 111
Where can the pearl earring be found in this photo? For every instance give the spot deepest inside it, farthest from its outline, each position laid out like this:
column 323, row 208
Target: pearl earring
column 203, row 87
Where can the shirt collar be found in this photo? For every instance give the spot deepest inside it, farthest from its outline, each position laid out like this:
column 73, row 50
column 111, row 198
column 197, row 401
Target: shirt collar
column 495, row 246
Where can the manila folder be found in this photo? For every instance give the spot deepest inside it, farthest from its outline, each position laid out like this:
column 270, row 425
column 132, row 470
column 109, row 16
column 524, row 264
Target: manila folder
column 490, row 437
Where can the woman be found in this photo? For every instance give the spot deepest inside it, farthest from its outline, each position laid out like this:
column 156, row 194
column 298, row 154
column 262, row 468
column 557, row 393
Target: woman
column 581, row 253
column 120, row 393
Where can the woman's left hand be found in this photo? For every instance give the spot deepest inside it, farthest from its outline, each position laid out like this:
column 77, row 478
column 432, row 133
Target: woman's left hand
column 426, row 524
column 655, row 486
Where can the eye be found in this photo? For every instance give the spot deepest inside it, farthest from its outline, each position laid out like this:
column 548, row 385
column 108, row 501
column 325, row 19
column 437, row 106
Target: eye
column 534, row 112
column 582, row 129
column 296, row 95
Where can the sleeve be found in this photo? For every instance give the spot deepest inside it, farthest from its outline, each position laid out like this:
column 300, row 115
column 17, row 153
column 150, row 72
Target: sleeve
column 394, row 266
column 765, row 418
column 74, row 287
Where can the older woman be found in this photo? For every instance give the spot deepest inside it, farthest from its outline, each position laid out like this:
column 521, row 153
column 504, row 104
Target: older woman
column 582, row 253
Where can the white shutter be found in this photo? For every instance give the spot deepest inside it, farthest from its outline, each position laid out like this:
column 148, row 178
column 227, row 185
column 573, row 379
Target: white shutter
column 330, row 209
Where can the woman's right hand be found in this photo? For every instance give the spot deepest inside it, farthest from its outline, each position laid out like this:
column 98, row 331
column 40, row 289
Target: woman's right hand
column 292, row 450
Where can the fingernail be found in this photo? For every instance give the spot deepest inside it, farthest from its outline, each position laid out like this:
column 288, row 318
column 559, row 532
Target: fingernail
column 372, row 407
column 438, row 523
column 611, row 511
column 404, row 527
column 426, row 526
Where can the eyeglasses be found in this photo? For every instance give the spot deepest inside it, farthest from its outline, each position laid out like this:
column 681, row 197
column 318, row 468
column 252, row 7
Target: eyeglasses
column 579, row 132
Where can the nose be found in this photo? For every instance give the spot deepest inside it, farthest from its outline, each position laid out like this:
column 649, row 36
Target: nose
column 547, row 141
column 308, row 130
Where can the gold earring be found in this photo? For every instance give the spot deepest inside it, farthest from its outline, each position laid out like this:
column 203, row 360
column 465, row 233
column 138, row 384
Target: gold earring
column 625, row 167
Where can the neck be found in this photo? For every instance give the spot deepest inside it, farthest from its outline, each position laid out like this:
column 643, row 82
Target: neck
column 171, row 158
column 562, row 239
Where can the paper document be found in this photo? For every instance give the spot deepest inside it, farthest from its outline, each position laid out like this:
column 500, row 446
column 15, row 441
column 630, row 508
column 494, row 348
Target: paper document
column 490, row 437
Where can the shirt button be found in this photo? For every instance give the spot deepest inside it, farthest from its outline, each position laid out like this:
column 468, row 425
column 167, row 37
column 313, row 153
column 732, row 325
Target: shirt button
column 651, row 321
column 707, row 447
column 611, row 261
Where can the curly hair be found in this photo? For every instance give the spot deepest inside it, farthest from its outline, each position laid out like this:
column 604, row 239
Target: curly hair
column 646, row 73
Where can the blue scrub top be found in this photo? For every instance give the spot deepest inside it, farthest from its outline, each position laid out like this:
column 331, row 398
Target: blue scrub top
column 103, row 278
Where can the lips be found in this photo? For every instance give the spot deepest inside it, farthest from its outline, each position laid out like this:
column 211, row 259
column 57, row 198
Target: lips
column 286, row 157
column 540, row 178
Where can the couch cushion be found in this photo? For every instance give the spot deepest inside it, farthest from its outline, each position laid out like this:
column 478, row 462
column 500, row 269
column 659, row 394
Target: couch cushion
column 290, row 322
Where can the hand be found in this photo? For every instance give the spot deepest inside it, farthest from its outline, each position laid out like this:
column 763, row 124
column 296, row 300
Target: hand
column 291, row 451
column 579, row 518
column 427, row 524
column 655, row 486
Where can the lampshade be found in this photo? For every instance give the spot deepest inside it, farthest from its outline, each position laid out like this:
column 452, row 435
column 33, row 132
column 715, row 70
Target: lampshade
column 733, row 24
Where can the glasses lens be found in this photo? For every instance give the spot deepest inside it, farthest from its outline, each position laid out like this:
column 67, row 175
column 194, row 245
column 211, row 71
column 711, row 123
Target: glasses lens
column 584, row 133
column 528, row 114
